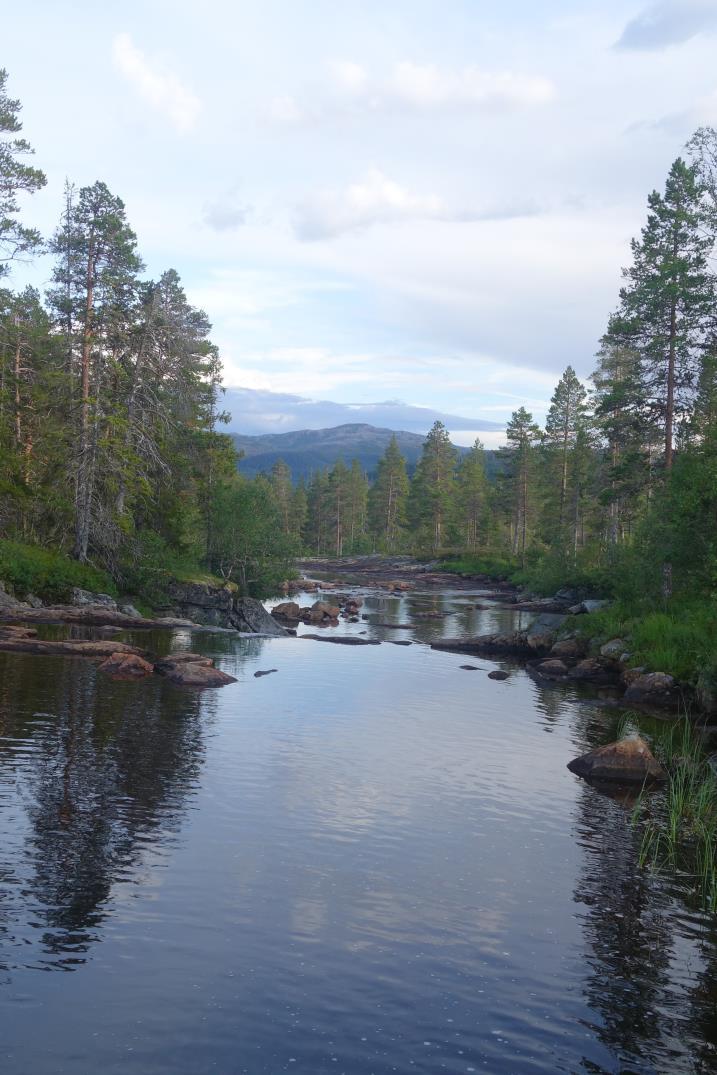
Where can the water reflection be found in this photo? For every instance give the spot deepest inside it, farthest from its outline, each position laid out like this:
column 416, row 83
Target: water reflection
column 103, row 770
column 370, row 861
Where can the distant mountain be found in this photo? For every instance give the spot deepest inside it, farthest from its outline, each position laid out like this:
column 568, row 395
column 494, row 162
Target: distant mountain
column 308, row 450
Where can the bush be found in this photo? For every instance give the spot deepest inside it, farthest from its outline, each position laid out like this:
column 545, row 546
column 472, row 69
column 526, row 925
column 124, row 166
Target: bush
column 50, row 575
column 680, row 640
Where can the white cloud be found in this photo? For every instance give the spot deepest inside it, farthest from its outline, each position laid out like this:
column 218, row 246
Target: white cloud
column 160, row 88
column 413, row 87
column 427, row 86
column 377, row 199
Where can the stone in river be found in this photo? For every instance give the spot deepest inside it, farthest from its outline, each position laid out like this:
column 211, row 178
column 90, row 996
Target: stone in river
column 628, row 760
column 497, row 675
column 344, row 640
column 264, row 672
column 188, row 674
column 126, row 666
column 470, row 667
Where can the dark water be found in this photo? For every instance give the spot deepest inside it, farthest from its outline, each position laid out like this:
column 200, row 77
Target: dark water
column 371, row 861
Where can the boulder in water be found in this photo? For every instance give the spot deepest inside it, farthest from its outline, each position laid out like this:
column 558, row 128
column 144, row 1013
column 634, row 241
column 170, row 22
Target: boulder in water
column 627, row 760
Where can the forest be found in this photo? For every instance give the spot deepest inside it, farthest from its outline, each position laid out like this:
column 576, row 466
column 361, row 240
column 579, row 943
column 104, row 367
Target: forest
column 113, row 458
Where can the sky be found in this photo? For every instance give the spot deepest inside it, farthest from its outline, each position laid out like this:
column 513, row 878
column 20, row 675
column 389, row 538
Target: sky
column 409, row 208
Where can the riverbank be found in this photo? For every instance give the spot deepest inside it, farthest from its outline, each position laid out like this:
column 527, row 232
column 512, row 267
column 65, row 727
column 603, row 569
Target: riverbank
column 678, row 639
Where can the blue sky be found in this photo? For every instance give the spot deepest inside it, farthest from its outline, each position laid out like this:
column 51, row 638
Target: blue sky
column 425, row 202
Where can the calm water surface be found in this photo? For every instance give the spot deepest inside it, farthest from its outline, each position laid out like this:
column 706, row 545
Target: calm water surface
column 370, row 861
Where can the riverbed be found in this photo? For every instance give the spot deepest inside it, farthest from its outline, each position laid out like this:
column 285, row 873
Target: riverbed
column 371, row 860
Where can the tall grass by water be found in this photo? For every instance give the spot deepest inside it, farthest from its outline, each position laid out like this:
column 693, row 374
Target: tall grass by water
column 678, row 829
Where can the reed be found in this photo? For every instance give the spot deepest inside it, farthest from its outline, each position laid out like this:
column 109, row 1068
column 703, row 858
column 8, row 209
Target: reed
column 679, row 830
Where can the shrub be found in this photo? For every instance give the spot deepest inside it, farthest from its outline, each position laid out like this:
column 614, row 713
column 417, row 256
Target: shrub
column 51, row 575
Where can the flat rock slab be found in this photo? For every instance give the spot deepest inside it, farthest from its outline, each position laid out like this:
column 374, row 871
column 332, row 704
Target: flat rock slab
column 91, row 615
column 399, row 642
column 470, row 668
column 80, row 648
column 264, row 672
column 343, row 640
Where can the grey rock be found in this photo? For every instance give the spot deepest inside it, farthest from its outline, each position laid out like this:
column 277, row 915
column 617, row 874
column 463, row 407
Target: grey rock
column 248, row 614
column 79, row 598
column 613, row 649
column 130, row 610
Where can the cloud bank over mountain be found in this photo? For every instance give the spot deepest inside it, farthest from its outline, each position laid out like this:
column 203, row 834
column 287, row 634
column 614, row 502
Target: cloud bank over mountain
column 256, row 412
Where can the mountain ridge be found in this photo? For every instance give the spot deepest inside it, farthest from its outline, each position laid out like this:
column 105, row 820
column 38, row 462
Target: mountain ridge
column 305, row 451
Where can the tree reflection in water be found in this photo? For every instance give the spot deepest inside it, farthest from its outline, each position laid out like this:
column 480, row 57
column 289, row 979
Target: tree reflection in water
column 98, row 770
column 641, row 962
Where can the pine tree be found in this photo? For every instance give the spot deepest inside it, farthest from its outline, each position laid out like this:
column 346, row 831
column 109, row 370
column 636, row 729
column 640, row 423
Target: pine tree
column 16, row 178
column 98, row 279
column 523, row 437
column 668, row 297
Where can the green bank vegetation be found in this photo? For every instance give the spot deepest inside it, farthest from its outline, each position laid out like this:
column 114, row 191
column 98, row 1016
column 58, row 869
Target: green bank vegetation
column 678, row 828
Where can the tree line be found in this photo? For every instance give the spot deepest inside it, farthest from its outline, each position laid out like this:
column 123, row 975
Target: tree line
column 620, row 482
column 110, row 392
column 111, row 447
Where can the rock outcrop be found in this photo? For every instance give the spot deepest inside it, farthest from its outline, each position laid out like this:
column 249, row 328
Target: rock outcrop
column 220, row 606
column 627, row 761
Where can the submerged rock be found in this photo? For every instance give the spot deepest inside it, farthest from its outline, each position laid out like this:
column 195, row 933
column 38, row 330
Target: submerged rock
column 343, row 640
column 498, row 674
column 264, row 672
column 126, row 666
column 628, row 760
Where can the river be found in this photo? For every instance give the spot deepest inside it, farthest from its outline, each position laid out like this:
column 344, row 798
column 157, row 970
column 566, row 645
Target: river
column 369, row 861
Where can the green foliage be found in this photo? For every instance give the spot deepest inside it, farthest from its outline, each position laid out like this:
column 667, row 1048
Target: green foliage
column 49, row 575
column 678, row 829
column 680, row 639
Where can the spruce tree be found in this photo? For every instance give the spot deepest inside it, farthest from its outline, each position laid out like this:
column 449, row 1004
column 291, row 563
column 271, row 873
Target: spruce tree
column 432, row 488
column 471, row 495
column 565, row 420
column 387, row 499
